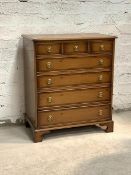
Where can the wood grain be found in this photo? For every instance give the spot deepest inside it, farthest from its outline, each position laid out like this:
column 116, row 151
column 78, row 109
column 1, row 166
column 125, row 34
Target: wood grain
column 77, row 96
column 73, row 63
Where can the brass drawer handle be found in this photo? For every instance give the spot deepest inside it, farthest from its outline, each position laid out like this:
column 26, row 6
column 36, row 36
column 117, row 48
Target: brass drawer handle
column 100, row 78
column 101, row 61
column 49, row 99
column 100, row 94
column 49, row 81
column 100, row 112
column 102, row 47
column 49, row 49
column 48, row 65
column 76, row 48
column 50, row 118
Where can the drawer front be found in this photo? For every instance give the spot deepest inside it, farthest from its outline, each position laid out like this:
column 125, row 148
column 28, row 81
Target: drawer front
column 48, row 48
column 77, row 96
column 73, row 63
column 73, row 116
column 101, row 46
column 75, row 79
column 75, row 47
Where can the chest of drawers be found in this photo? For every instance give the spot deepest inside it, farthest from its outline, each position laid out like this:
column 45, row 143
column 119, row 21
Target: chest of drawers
column 68, row 81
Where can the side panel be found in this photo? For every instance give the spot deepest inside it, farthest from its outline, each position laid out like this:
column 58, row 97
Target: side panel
column 30, row 81
column 112, row 87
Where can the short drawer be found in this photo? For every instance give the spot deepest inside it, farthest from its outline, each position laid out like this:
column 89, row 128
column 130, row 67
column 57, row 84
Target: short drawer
column 48, row 48
column 74, row 47
column 73, row 79
column 73, row 63
column 75, row 96
column 73, row 116
column 98, row 46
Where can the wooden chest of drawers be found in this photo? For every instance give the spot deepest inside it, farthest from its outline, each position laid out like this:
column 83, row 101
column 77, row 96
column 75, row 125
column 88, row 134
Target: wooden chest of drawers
column 68, row 81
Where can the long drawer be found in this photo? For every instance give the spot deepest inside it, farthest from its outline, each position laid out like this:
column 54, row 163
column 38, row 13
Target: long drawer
column 73, row 116
column 49, row 64
column 75, row 96
column 73, row 79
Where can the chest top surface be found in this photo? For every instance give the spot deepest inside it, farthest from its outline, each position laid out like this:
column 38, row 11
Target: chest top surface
column 43, row 37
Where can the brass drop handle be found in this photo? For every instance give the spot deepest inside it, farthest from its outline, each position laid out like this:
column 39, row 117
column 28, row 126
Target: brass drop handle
column 101, row 61
column 49, row 49
column 49, row 81
column 76, row 48
column 100, row 78
column 48, row 65
column 102, row 48
column 100, row 112
column 100, row 95
column 50, row 118
column 49, row 99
